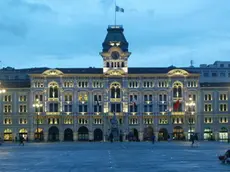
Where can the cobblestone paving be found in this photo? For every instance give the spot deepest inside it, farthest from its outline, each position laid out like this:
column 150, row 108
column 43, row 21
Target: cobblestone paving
column 114, row 157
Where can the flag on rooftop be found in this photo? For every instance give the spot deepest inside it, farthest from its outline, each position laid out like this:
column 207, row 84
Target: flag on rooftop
column 119, row 9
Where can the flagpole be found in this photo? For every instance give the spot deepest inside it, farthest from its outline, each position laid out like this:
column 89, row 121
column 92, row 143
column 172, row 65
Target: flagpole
column 115, row 13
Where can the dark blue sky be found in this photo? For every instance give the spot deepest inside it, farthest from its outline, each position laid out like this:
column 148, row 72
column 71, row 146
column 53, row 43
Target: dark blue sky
column 69, row 33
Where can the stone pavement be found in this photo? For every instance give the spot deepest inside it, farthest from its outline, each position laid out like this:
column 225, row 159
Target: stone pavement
column 114, row 157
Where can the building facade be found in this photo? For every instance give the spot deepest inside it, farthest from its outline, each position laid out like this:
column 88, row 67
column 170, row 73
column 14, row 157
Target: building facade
column 71, row 104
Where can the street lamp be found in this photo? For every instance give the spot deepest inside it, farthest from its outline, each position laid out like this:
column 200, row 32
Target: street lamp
column 37, row 105
column 191, row 110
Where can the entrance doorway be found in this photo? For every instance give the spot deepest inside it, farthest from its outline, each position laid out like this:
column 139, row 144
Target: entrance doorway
column 53, row 135
column 98, row 134
column 163, row 134
column 68, row 135
column 83, row 134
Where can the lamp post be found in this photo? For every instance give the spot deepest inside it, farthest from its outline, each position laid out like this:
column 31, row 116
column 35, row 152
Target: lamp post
column 190, row 110
column 37, row 105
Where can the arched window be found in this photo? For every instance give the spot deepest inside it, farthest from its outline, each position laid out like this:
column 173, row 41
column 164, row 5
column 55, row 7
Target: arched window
column 53, row 90
column 177, row 89
column 115, row 90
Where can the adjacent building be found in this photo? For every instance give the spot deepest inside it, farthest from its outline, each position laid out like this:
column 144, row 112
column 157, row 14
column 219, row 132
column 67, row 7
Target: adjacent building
column 70, row 104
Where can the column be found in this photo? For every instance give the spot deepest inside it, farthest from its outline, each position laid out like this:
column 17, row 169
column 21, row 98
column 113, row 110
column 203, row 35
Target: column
column 141, row 135
column 90, row 136
column 61, row 136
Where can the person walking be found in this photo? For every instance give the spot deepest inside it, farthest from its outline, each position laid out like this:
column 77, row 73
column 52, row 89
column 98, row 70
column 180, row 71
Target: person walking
column 192, row 139
column 21, row 141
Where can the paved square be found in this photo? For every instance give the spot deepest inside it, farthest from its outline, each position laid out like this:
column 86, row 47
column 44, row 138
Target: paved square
column 122, row 157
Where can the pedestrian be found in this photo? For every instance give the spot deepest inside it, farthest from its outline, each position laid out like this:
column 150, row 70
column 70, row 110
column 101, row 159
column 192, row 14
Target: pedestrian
column 168, row 138
column 21, row 141
column 192, row 139
column 111, row 137
column 153, row 139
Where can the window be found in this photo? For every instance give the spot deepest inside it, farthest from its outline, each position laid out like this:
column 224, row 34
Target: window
column 148, row 84
column 223, row 97
column 208, row 107
column 206, row 74
column 68, row 84
column 192, row 84
column 133, row 121
column 68, row 108
column 22, row 98
column 97, row 84
column 82, row 121
column 68, row 121
column 7, row 109
column 193, row 96
column 53, row 107
column 163, row 121
column 214, row 74
column 208, row 120
column 148, row 121
column 38, row 84
column 22, row 121
column 223, row 120
column 162, row 108
column 133, row 84
column 222, row 74
column 163, row 84
column 83, row 84
column 221, row 65
column 7, row 121
column 162, row 97
column 83, row 108
column 68, row 97
column 53, row 120
column 148, row 98
column 223, row 108
column 177, row 89
column 208, row 97
column 115, row 107
column 97, row 121
column 22, row 108
column 7, row 98
column 178, row 121
column 39, row 97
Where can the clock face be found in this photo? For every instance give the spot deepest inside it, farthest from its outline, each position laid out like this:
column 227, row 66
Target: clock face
column 115, row 55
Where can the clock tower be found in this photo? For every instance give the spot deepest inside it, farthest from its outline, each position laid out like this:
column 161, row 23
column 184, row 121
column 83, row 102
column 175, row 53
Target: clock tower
column 115, row 52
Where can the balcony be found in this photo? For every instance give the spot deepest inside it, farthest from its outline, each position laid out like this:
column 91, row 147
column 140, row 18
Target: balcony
column 115, row 99
column 52, row 113
column 178, row 113
column 53, row 99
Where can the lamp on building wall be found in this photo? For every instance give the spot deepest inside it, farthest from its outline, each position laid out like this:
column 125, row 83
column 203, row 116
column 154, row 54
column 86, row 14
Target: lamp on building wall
column 37, row 105
column 190, row 108
column 2, row 90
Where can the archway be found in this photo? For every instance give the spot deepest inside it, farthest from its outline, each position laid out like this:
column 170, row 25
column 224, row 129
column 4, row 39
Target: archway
column 23, row 132
column 148, row 133
column 83, row 134
column 98, row 134
column 39, row 135
column 53, row 134
column 223, row 134
column 208, row 135
column 163, row 134
column 178, row 133
column 8, row 135
column 68, row 135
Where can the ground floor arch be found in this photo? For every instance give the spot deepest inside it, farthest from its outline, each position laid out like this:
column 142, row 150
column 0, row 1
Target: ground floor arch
column 68, row 134
column 163, row 134
column 98, row 134
column 83, row 134
column 8, row 135
column 39, row 134
column 223, row 134
column 178, row 133
column 23, row 133
column 133, row 135
column 53, row 134
column 148, row 133
column 208, row 134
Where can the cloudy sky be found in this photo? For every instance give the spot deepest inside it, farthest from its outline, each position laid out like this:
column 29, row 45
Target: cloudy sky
column 69, row 33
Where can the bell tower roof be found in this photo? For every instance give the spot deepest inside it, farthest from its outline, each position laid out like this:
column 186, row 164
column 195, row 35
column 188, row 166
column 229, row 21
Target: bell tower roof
column 115, row 37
